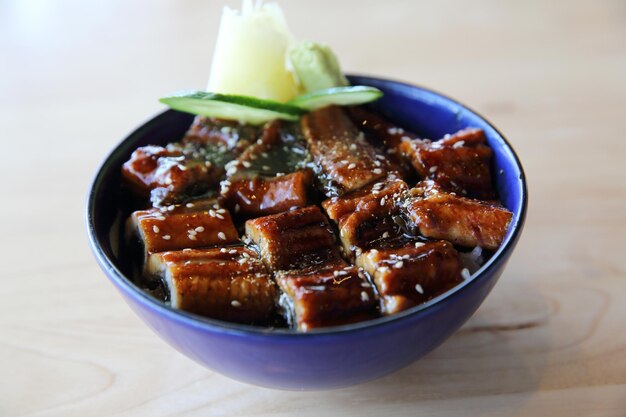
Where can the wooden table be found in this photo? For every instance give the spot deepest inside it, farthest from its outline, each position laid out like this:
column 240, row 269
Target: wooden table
column 549, row 341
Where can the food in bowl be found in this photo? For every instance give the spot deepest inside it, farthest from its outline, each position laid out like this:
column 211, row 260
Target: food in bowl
column 308, row 212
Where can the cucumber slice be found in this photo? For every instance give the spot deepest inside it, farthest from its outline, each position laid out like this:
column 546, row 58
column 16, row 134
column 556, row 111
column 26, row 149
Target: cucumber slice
column 233, row 107
column 342, row 96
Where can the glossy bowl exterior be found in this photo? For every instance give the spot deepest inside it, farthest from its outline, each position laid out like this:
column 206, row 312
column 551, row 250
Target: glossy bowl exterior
column 339, row 356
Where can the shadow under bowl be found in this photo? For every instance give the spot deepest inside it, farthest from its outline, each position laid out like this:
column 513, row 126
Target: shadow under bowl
column 326, row 358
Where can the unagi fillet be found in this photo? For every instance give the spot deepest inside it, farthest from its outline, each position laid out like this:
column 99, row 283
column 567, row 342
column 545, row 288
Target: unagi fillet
column 383, row 133
column 365, row 217
column 412, row 274
column 224, row 283
column 258, row 196
column 463, row 221
column 267, row 178
column 293, row 239
column 327, row 295
column 188, row 168
column 459, row 163
column 166, row 175
column 192, row 225
column 345, row 159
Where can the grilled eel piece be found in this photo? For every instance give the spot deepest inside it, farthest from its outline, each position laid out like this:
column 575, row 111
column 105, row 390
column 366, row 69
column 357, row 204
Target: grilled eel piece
column 384, row 134
column 409, row 275
column 269, row 176
column 254, row 197
column 463, row 221
column 345, row 160
column 460, row 163
column 293, row 239
column 192, row 225
column 327, row 295
column 320, row 288
column 365, row 217
column 188, row 168
column 222, row 283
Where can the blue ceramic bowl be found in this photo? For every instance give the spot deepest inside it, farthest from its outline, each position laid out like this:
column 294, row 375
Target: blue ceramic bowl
column 338, row 356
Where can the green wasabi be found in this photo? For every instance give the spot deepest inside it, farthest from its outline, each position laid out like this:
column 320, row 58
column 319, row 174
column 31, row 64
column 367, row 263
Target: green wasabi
column 316, row 66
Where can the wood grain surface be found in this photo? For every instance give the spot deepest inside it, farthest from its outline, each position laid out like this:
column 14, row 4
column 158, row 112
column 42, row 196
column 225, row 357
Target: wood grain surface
column 75, row 77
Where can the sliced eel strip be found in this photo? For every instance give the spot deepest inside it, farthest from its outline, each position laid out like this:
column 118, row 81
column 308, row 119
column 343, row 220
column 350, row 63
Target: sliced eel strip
column 409, row 275
column 223, row 283
column 345, row 160
column 192, row 225
column 327, row 295
column 437, row 214
column 459, row 163
column 293, row 239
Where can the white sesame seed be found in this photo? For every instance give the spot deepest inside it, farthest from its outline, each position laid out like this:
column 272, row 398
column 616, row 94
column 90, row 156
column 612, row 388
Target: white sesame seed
column 377, row 171
column 364, row 296
column 232, row 251
column 246, row 164
column 458, row 144
column 220, row 210
column 465, row 273
column 419, row 244
column 211, row 212
column 192, row 232
column 171, row 207
column 189, row 205
column 398, row 265
column 419, row 289
column 155, row 229
column 235, row 303
column 352, row 147
column 166, row 237
column 385, row 235
column 219, row 216
column 199, row 229
column 191, row 237
column 352, row 166
column 382, row 201
column 221, row 235
column 432, row 169
column 380, row 157
column 223, row 250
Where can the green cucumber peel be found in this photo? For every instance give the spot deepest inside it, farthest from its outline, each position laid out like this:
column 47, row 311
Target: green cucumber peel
column 341, row 96
column 245, row 109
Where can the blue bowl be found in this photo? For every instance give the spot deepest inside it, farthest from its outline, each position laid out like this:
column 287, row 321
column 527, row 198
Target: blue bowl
column 327, row 358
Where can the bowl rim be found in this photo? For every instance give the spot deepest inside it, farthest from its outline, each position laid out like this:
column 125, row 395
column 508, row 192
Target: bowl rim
column 215, row 325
